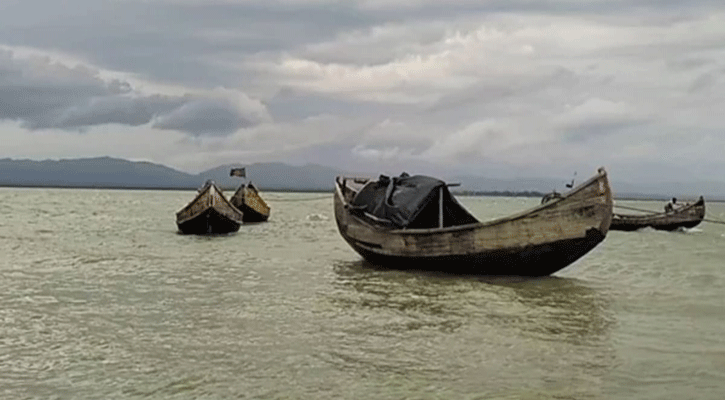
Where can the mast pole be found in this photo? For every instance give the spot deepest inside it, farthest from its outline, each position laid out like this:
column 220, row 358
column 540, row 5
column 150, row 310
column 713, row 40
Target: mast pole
column 440, row 207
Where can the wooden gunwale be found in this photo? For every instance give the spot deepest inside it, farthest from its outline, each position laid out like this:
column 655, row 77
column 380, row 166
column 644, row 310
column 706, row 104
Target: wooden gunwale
column 207, row 193
column 490, row 223
column 247, row 199
column 534, row 242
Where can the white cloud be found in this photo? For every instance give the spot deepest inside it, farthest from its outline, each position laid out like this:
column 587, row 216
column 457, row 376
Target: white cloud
column 503, row 47
column 490, row 140
column 596, row 112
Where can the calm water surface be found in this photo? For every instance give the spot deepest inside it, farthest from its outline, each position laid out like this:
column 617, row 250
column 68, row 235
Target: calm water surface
column 100, row 298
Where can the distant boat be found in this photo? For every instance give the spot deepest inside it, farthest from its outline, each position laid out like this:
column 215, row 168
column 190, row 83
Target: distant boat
column 248, row 201
column 210, row 212
column 687, row 216
column 413, row 222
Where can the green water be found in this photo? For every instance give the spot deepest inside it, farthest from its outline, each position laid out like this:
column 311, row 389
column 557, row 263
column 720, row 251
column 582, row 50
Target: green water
column 100, row 298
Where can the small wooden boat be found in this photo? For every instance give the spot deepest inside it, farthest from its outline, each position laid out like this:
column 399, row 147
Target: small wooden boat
column 687, row 216
column 248, row 201
column 209, row 212
column 415, row 223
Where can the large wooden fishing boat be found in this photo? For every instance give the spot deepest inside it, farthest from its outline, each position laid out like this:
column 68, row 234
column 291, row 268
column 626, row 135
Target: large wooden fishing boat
column 687, row 216
column 209, row 213
column 248, row 201
column 415, row 223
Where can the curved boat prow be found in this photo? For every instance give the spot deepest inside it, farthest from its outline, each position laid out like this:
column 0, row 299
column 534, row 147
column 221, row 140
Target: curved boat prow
column 208, row 212
column 536, row 242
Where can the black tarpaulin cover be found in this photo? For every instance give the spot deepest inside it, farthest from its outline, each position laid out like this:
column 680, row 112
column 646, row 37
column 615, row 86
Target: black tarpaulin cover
column 410, row 202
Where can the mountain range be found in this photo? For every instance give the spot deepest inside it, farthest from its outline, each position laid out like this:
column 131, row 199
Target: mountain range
column 107, row 172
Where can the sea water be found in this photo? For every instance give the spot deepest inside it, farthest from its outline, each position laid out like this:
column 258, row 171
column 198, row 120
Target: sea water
column 101, row 298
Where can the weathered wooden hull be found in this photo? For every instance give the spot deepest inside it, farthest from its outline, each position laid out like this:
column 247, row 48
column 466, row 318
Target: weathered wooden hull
column 537, row 242
column 687, row 217
column 209, row 213
column 248, row 201
column 209, row 221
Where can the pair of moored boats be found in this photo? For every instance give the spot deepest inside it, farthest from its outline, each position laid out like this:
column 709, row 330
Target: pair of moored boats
column 415, row 223
column 210, row 212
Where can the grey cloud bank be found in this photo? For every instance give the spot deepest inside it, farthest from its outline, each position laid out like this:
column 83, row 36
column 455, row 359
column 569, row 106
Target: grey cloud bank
column 492, row 87
column 43, row 94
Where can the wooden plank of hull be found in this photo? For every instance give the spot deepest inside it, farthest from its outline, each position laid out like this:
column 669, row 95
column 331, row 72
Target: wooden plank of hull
column 686, row 217
column 209, row 221
column 209, row 212
column 532, row 260
column 248, row 201
column 537, row 242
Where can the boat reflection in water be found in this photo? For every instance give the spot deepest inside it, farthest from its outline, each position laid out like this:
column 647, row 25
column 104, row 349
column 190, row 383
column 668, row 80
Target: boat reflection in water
column 432, row 327
column 550, row 308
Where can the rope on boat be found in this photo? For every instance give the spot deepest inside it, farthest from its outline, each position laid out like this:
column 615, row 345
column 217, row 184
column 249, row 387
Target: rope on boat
column 305, row 199
column 714, row 221
column 638, row 209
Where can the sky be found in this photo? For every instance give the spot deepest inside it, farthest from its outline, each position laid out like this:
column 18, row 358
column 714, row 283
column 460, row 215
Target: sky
column 497, row 88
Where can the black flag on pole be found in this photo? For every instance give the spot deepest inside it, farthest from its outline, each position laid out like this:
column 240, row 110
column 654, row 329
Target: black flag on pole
column 238, row 172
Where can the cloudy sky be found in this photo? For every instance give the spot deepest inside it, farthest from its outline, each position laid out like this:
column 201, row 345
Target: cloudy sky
column 497, row 88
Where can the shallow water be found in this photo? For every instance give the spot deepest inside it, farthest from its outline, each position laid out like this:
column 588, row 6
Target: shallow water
column 101, row 298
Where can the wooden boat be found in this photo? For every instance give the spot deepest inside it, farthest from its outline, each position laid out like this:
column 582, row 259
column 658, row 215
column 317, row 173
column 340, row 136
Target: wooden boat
column 687, row 216
column 422, row 226
column 248, row 201
column 209, row 212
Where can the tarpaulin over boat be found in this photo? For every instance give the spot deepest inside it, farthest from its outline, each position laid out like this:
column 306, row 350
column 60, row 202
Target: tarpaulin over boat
column 411, row 202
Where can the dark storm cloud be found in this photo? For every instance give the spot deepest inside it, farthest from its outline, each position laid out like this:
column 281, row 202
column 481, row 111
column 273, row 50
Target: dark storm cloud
column 178, row 41
column 173, row 41
column 204, row 117
column 42, row 94
column 95, row 111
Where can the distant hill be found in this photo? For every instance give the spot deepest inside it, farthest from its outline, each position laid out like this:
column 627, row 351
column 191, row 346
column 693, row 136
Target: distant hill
column 107, row 172
column 91, row 172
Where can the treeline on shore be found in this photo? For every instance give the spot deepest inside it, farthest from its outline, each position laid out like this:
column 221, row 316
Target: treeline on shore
column 504, row 193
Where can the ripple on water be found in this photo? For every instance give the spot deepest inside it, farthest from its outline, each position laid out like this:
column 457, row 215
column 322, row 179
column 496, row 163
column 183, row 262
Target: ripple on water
column 116, row 304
